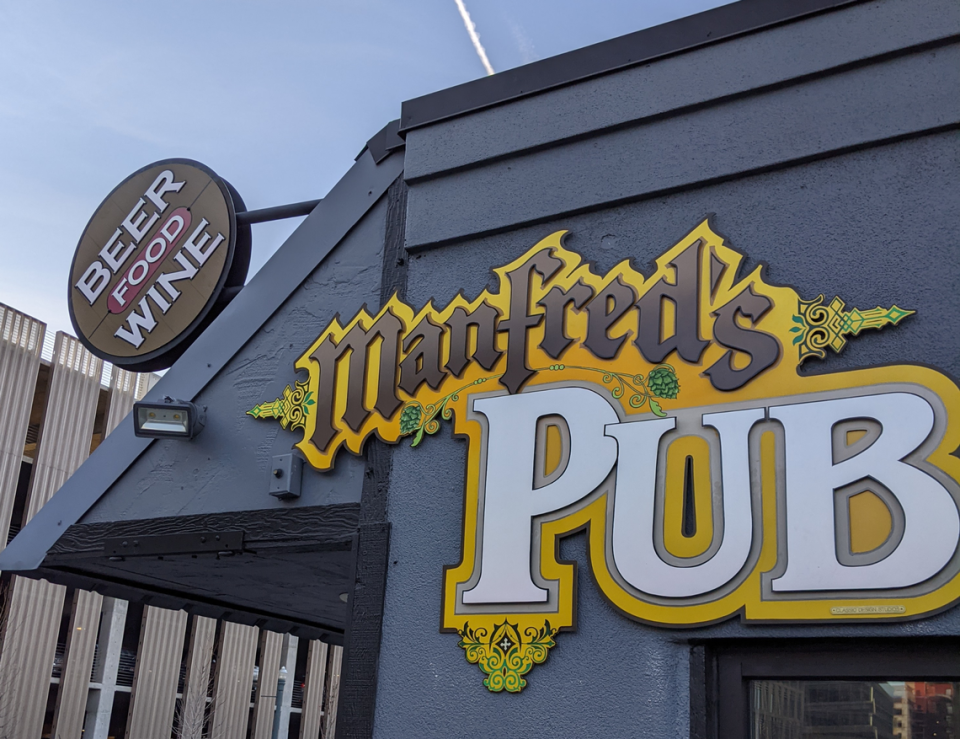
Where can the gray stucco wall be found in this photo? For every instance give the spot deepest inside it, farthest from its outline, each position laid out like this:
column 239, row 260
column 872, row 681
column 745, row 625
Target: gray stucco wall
column 861, row 211
column 173, row 478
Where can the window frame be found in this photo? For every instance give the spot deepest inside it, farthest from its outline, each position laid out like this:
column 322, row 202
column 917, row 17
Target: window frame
column 721, row 671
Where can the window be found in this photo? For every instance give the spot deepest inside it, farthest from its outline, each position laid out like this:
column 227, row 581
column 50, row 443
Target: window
column 813, row 689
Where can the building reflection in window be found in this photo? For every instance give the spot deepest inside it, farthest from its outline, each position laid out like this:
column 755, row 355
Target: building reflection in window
column 849, row 709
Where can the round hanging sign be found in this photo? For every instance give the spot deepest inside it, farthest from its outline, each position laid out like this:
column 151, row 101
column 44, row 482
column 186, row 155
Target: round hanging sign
column 160, row 258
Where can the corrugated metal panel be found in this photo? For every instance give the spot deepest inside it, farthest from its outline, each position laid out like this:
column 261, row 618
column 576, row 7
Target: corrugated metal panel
column 266, row 697
column 333, row 692
column 193, row 706
column 68, row 422
column 21, row 339
column 125, row 389
column 236, row 654
column 29, row 644
column 313, row 690
column 78, row 663
column 49, row 343
column 154, row 694
column 36, row 607
column 85, row 617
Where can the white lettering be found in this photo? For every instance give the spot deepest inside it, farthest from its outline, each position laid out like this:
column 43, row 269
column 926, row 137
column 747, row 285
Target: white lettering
column 167, row 279
column 633, row 513
column 932, row 522
column 120, row 291
column 175, row 220
column 137, row 323
column 196, row 249
column 163, row 184
column 162, row 304
column 510, row 500
column 134, row 220
column 922, row 542
column 93, row 282
column 152, row 254
column 115, row 253
column 138, row 272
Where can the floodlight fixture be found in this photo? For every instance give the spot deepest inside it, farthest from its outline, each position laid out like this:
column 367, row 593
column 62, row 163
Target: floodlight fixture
column 168, row 419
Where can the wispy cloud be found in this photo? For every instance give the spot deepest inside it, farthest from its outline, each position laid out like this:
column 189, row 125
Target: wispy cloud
column 528, row 52
column 474, row 36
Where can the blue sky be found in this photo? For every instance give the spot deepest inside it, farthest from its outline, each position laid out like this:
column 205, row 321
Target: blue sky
column 277, row 97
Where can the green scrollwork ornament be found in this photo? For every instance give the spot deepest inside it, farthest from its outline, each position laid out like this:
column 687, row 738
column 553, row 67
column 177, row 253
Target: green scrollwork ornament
column 505, row 655
column 291, row 410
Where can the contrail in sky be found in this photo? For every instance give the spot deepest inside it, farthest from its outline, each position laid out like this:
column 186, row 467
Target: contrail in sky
column 474, row 36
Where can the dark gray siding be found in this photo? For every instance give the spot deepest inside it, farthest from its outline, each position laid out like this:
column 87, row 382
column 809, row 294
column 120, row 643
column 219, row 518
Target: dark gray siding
column 707, row 137
column 844, row 184
column 854, row 35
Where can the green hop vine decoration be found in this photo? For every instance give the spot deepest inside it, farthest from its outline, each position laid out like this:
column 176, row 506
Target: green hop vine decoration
column 417, row 419
column 410, row 418
column 661, row 383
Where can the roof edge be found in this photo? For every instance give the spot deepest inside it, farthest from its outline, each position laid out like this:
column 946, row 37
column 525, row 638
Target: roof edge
column 175, row 601
column 710, row 26
column 344, row 206
column 384, row 142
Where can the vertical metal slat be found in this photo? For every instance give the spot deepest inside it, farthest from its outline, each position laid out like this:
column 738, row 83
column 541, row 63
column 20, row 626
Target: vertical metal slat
column 236, row 654
column 333, row 692
column 85, row 617
column 33, row 621
column 193, row 705
column 313, row 690
column 266, row 697
column 154, row 694
column 21, row 339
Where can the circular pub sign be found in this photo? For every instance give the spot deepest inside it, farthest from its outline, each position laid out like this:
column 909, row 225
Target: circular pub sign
column 160, row 258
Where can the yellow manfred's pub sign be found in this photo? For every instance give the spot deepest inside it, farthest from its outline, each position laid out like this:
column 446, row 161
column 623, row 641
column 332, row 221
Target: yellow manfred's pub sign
column 666, row 416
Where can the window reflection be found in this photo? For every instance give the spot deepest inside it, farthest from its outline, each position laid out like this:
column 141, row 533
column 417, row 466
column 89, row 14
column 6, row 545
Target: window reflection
column 848, row 709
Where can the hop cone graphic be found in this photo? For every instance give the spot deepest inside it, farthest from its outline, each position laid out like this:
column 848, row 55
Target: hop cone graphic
column 663, row 383
column 410, row 419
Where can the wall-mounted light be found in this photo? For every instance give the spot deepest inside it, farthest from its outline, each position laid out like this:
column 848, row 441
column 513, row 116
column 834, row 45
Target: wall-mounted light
column 169, row 418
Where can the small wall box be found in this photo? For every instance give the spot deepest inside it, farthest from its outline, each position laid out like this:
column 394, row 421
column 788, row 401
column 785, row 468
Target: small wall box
column 286, row 476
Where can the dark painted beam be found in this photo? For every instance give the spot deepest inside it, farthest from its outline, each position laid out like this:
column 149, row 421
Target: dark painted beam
column 361, row 653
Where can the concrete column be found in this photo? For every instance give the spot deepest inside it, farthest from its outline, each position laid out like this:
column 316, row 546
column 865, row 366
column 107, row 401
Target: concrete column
column 100, row 700
column 290, row 662
column 153, row 697
column 312, row 711
column 333, row 692
column 21, row 341
column 85, row 617
column 30, row 631
column 264, row 706
column 236, row 654
column 193, row 705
